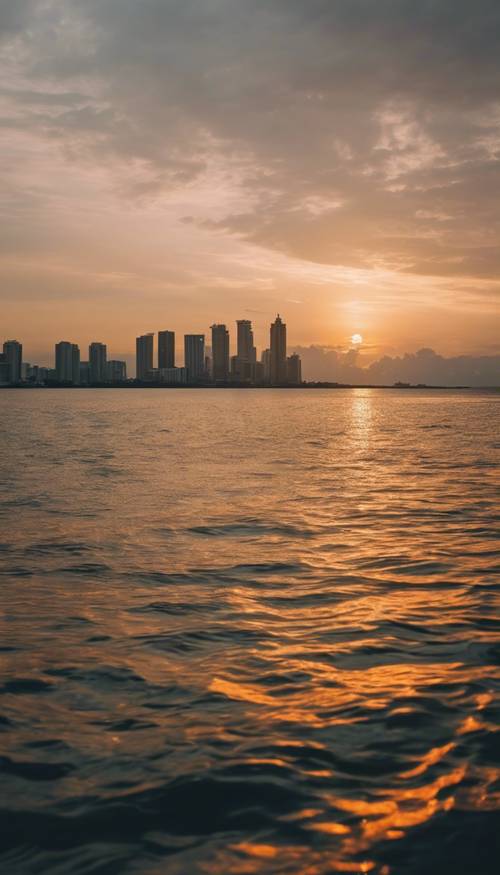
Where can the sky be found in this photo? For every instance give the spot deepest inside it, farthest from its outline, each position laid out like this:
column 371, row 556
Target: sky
column 165, row 164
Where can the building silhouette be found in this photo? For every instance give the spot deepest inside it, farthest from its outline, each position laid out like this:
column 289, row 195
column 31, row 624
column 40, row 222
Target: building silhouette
column 278, row 366
column 67, row 363
column 194, row 357
column 144, row 356
column 4, row 370
column 173, row 376
column 97, row 362
column 38, row 375
column 220, row 354
column 294, row 370
column 116, row 371
column 265, row 360
column 84, row 373
column 75, row 364
column 200, row 362
column 243, row 364
column 13, row 352
column 246, row 351
column 166, row 350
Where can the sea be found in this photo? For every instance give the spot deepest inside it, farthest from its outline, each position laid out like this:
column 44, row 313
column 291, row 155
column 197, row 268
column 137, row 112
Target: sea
column 249, row 631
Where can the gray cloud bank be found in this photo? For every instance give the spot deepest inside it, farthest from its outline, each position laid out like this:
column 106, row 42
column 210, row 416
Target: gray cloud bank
column 361, row 133
column 425, row 366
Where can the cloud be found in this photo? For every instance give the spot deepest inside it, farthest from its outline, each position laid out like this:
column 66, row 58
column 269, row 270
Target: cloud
column 346, row 133
column 344, row 119
column 325, row 364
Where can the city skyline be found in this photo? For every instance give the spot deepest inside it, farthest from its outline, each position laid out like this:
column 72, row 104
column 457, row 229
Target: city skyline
column 318, row 364
column 155, row 362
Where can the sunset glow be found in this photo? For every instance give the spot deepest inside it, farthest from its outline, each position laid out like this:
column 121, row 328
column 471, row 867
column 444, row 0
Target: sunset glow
column 211, row 175
column 249, row 414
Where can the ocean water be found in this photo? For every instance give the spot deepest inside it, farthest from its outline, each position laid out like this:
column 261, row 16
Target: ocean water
column 249, row 632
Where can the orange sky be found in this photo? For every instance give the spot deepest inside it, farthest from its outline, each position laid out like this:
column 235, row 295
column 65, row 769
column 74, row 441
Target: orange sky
column 166, row 165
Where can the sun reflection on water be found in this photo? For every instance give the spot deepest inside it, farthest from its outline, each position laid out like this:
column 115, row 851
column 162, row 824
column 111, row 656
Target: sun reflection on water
column 242, row 653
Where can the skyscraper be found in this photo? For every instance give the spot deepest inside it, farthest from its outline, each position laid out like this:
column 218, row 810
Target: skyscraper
column 166, row 349
column 266, row 365
column 4, row 370
column 75, row 364
column 246, row 351
column 67, row 362
column 144, row 356
column 278, row 352
column 220, row 353
column 194, row 356
column 97, row 362
column 243, row 364
column 13, row 352
column 294, row 369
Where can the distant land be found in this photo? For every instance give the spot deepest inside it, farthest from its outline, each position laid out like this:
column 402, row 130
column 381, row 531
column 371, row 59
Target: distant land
column 133, row 384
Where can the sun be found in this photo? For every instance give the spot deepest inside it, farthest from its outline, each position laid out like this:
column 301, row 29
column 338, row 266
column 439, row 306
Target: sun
column 356, row 339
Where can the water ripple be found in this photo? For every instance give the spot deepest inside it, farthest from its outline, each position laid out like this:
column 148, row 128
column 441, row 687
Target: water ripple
column 271, row 646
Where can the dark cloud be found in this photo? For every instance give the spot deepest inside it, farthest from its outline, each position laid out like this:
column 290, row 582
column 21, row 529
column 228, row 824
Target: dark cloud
column 15, row 16
column 361, row 133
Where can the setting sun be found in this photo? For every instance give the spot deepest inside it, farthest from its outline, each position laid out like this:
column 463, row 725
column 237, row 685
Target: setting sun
column 356, row 339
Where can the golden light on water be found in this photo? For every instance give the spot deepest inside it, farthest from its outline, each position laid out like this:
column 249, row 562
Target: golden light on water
column 285, row 659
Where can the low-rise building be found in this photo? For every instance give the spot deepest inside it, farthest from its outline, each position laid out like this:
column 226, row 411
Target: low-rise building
column 116, row 371
column 173, row 376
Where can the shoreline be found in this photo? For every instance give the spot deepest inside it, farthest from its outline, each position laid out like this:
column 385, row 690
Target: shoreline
column 302, row 387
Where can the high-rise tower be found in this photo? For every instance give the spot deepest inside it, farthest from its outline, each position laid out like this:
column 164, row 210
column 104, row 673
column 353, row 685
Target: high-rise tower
column 144, row 356
column 67, row 362
column 13, row 352
column 278, row 352
column 220, row 353
column 246, row 351
column 294, row 370
column 166, row 349
column 194, row 356
column 97, row 362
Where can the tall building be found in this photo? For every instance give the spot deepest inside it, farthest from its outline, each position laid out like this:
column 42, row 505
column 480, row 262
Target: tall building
column 278, row 352
column 220, row 353
column 294, row 369
column 266, row 365
column 166, row 349
column 116, row 372
column 242, row 364
column 13, row 352
column 4, row 370
column 67, row 362
column 144, row 356
column 194, row 356
column 75, row 364
column 97, row 362
column 246, row 351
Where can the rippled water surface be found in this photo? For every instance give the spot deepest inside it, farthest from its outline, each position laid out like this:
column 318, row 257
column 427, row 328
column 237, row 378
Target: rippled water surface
column 249, row 632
